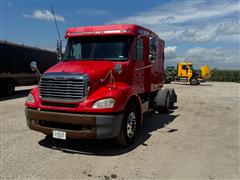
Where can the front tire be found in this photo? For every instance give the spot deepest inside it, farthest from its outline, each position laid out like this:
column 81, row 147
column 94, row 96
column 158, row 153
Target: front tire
column 9, row 87
column 194, row 81
column 129, row 128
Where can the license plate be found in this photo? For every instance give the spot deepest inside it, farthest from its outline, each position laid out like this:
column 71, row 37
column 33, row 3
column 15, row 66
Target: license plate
column 59, row 134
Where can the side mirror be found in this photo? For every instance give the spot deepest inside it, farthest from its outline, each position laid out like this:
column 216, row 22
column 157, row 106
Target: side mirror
column 118, row 68
column 33, row 65
column 151, row 58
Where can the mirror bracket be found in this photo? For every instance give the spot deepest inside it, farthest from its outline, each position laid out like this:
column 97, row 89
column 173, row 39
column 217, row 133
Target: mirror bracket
column 118, row 68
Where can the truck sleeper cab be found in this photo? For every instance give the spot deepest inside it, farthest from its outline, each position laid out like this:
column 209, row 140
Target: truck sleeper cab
column 98, row 89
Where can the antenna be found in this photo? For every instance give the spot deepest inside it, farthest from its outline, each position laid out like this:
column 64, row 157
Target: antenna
column 59, row 41
column 56, row 23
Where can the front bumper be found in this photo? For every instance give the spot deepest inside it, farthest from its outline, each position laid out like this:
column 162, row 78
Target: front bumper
column 77, row 126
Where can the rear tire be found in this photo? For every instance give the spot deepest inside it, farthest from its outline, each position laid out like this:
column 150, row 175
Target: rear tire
column 130, row 125
column 172, row 98
column 162, row 101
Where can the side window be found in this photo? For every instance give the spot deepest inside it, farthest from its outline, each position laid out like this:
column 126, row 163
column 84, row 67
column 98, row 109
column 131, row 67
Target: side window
column 153, row 48
column 139, row 50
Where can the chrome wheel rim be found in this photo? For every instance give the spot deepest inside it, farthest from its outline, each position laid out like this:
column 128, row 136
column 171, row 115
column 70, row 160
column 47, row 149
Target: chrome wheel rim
column 131, row 124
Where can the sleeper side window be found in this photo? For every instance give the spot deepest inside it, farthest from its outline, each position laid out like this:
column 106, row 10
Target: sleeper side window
column 139, row 50
column 153, row 48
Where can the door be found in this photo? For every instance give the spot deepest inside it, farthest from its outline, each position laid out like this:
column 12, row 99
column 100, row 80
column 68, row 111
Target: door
column 183, row 70
column 138, row 64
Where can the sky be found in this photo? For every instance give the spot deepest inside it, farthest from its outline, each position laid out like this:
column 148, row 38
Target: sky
column 199, row 31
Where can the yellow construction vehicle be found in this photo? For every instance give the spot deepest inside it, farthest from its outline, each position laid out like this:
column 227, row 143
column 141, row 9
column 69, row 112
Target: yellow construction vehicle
column 186, row 73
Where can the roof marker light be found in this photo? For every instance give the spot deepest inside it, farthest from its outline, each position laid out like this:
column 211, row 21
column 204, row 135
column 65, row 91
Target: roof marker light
column 112, row 31
column 98, row 32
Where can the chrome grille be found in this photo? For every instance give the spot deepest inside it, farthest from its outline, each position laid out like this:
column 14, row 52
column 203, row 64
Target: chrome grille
column 63, row 87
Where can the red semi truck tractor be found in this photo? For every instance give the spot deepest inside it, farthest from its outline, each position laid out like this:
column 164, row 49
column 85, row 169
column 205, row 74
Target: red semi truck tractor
column 107, row 78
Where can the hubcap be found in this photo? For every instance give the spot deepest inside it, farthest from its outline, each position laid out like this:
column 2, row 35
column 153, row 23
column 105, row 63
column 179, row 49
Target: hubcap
column 131, row 124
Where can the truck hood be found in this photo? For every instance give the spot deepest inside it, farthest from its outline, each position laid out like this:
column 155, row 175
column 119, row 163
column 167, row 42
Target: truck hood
column 94, row 69
column 205, row 72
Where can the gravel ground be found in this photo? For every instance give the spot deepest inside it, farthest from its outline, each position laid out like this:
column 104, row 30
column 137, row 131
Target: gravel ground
column 198, row 140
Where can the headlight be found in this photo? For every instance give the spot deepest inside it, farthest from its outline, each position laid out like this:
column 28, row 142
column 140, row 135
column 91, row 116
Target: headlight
column 30, row 98
column 104, row 103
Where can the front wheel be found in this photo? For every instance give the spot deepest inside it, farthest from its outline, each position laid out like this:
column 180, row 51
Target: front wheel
column 194, row 81
column 129, row 126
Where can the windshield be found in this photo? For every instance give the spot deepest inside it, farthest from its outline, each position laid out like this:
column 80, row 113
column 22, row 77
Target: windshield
column 98, row 48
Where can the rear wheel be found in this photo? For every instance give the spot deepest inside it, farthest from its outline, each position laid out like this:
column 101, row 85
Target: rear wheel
column 129, row 126
column 172, row 98
column 8, row 87
column 163, row 100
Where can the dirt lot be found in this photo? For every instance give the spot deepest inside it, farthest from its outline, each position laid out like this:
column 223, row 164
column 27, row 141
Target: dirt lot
column 199, row 140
